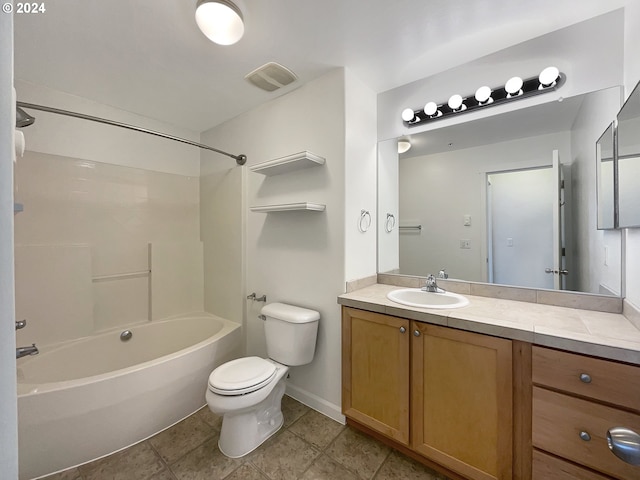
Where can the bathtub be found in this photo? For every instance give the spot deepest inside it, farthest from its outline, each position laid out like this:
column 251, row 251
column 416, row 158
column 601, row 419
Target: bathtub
column 88, row 398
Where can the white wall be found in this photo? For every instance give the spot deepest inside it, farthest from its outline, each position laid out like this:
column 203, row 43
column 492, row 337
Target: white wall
column 76, row 138
column 8, row 393
column 595, row 115
column 295, row 257
column 360, row 178
column 438, row 190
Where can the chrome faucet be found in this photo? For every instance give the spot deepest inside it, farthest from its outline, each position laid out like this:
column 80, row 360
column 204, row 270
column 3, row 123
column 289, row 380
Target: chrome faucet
column 24, row 351
column 443, row 274
column 431, row 285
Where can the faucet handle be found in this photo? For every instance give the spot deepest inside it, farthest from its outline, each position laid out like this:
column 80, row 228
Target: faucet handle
column 443, row 274
column 20, row 324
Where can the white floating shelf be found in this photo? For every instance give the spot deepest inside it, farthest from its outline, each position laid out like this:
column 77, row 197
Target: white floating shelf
column 290, row 163
column 289, row 207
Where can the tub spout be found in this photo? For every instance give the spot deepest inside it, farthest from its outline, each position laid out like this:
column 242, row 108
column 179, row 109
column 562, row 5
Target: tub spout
column 24, row 351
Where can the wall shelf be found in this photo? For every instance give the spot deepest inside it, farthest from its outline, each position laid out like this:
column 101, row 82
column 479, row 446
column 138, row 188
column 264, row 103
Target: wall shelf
column 17, row 208
column 290, row 163
column 289, row 207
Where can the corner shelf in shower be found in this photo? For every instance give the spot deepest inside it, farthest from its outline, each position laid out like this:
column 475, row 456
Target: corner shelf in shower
column 290, row 163
column 289, row 207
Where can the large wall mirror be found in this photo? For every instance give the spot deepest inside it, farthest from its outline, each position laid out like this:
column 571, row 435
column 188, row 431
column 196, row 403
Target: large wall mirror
column 494, row 199
column 629, row 161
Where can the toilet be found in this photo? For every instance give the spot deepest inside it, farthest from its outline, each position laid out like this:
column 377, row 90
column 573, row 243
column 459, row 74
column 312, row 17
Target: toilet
column 248, row 391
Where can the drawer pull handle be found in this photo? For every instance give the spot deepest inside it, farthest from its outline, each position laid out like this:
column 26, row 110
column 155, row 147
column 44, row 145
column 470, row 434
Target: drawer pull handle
column 402, row 329
column 585, row 436
column 585, row 378
column 625, row 444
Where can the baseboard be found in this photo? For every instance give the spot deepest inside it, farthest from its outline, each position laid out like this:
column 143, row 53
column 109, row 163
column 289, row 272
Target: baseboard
column 319, row 404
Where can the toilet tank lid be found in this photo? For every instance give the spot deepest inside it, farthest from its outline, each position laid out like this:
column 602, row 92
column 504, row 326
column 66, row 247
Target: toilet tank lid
column 290, row 313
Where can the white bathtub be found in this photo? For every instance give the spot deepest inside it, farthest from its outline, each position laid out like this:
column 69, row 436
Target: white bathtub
column 91, row 397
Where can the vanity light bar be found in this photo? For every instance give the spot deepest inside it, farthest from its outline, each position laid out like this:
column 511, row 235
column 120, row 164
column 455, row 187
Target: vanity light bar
column 514, row 89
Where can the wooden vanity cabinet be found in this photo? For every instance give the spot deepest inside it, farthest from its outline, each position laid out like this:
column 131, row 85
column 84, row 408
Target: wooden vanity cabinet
column 444, row 393
column 375, row 372
column 576, row 400
column 461, row 403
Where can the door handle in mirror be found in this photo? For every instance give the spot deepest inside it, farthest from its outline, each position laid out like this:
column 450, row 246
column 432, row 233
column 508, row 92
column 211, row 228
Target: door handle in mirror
column 625, row 444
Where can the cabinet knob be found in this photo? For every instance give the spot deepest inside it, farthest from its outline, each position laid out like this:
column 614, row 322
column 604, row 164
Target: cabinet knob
column 585, row 436
column 402, row 329
column 416, row 333
column 625, row 444
column 585, row 378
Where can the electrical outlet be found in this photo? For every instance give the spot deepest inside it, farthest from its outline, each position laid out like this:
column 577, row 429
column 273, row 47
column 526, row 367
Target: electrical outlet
column 465, row 243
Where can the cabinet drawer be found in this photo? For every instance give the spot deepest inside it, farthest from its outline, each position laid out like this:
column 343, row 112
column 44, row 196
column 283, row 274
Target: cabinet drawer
column 607, row 381
column 547, row 467
column 559, row 420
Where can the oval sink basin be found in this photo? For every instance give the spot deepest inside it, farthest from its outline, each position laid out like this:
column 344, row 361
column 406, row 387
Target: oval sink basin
column 415, row 297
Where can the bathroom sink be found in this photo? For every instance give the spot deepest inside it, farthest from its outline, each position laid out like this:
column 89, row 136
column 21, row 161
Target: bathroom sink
column 415, row 297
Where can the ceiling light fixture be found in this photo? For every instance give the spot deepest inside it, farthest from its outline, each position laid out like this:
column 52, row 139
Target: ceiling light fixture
column 431, row 109
column 483, row 95
column 404, row 145
column 220, row 20
column 515, row 88
column 548, row 77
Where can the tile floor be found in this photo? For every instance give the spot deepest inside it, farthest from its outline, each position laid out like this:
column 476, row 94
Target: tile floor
column 310, row 446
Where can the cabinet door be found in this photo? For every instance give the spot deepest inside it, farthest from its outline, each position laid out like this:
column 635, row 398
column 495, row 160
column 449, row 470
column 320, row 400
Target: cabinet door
column 462, row 401
column 375, row 372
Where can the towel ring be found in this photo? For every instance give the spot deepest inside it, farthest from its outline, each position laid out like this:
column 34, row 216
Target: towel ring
column 365, row 221
column 390, row 223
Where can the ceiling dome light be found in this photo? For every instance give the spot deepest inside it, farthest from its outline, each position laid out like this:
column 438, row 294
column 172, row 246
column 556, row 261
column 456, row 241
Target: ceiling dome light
column 220, row 20
column 455, row 102
column 483, row 95
column 548, row 77
column 513, row 87
column 408, row 115
column 403, row 145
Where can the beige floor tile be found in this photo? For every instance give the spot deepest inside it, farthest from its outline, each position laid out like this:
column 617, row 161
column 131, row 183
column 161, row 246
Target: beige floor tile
column 206, row 415
column 246, row 472
column 205, row 463
column 286, row 458
column 183, row 437
column 316, row 428
column 71, row 474
column 324, row 468
column 400, row 467
column 292, row 410
column 163, row 475
column 358, row 452
column 139, row 462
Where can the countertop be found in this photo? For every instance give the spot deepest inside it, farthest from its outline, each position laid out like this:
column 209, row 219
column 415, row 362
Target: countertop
column 606, row 335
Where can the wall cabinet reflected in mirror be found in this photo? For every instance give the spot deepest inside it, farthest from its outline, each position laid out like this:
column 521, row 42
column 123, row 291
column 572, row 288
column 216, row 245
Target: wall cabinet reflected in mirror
column 605, row 175
column 628, row 137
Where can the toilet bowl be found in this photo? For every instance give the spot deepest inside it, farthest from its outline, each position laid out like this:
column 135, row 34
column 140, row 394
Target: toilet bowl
column 248, row 391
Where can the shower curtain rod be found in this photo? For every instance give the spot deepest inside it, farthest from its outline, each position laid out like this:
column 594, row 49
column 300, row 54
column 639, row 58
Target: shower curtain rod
column 240, row 159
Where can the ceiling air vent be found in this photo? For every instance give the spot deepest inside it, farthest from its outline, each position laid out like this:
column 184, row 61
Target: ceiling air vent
column 271, row 76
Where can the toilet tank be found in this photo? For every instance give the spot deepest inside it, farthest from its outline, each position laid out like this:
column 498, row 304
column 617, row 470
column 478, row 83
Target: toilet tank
column 291, row 333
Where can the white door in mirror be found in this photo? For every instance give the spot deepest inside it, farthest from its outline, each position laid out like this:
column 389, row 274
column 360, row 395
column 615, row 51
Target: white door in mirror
column 415, row 297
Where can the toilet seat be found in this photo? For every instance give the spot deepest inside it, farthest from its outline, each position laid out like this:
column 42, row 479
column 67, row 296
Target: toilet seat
column 241, row 376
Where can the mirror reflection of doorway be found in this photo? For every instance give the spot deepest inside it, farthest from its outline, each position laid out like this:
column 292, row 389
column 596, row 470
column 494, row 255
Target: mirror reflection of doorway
column 522, row 232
